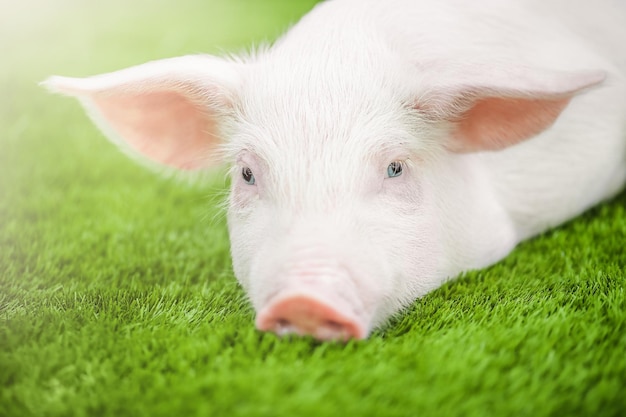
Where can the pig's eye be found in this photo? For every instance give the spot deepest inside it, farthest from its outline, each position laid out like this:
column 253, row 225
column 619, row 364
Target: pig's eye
column 248, row 176
column 394, row 169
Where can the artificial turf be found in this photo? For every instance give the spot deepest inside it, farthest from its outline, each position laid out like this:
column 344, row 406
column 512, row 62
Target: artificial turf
column 117, row 297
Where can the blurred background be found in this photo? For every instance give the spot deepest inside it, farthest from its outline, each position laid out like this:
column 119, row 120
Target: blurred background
column 55, row 167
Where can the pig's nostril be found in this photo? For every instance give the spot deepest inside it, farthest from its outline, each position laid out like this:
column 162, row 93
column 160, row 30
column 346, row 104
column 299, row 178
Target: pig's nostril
column 334, row 325
column 283, row 327
column 282, row 322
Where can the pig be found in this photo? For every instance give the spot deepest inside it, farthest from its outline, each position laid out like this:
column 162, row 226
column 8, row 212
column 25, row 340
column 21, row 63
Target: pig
column 381, row 148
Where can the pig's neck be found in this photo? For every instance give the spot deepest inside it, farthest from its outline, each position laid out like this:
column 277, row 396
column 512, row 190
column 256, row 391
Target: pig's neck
column 489, row 202
column 475, row 228
column 575, row 164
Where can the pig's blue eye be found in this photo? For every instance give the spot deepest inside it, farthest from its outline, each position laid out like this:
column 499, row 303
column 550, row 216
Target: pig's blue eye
column 394, row 169
column 248, row 176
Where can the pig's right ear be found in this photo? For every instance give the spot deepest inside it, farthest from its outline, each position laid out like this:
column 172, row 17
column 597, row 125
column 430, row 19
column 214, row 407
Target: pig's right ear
column 170, row 111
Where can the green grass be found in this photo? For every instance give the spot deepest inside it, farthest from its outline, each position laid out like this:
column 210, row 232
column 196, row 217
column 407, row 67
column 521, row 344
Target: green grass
column 117, row 297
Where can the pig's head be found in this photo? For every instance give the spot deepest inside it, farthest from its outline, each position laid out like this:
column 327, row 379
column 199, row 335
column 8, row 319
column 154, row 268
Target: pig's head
column 342, row 208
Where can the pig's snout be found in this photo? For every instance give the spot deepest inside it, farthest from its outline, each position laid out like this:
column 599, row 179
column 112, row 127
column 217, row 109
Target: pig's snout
column 306, row 315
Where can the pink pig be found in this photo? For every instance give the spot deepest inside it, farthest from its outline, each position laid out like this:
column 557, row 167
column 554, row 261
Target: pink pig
column 380, row 148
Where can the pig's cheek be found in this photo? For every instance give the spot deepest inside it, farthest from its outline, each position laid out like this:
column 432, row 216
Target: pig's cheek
column 242, row 224
column 243, row 198
column 407, row 237
column 402, row 196
column 246, row 240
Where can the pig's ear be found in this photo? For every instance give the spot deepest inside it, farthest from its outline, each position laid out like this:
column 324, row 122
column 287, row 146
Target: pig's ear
column 491, row 108
column 170, row 111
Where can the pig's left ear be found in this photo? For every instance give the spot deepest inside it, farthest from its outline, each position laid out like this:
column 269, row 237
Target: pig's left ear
column 171, row 111
column 491, row 108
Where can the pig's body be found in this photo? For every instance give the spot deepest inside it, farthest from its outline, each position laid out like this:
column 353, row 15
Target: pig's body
column 381, row 148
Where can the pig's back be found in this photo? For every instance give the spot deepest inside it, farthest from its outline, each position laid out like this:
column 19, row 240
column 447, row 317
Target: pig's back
column 602, row 23
column 557, row 34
